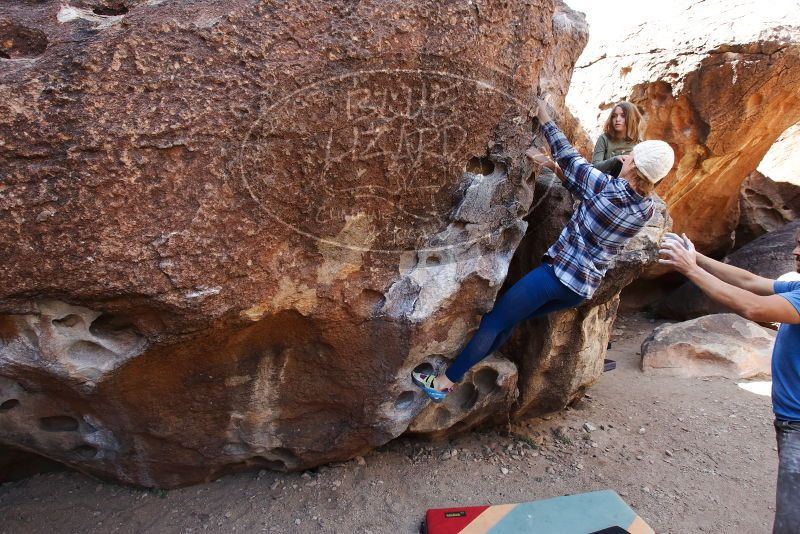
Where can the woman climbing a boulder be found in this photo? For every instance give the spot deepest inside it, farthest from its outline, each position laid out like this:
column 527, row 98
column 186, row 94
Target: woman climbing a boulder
column 611, row 212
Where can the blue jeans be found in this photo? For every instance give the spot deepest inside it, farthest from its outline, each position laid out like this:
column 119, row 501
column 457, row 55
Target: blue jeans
column 787, row 495
column 538, row 293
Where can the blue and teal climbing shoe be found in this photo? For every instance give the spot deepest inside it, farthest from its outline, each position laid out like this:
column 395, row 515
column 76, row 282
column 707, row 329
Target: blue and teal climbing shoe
column 425, row 382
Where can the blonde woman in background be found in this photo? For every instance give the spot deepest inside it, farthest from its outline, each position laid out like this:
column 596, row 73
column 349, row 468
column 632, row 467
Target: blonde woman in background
column 621, row 132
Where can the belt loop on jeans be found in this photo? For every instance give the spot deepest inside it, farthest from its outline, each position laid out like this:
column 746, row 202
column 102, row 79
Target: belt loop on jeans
column 783, row 424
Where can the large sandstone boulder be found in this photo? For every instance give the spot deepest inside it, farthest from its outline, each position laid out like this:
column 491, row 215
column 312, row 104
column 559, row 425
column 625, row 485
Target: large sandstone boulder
column 770, row 256
column 764, row 206
column 715, row 345
column 231, row 230
column 716, row 80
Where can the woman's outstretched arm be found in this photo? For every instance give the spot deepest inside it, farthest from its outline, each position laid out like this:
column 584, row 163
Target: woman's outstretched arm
column 580, row 177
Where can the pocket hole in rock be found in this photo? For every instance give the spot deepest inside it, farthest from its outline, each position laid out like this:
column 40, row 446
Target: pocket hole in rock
column 111, row 10
column 478, row 165
column 465, row 396
column 9, row 404
column 118, row 329
column 405, row 400
column 433, row 260
column 424, row 368
column 486, row 380
column 68, row 321
column 17, row 41
column 58, row 423
column 110, row 325
column 86, row 452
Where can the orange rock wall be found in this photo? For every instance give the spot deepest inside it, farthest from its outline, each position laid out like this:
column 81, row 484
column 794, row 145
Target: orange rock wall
column 718, row 82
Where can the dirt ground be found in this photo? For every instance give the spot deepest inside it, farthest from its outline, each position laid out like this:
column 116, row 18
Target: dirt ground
column 689, row 455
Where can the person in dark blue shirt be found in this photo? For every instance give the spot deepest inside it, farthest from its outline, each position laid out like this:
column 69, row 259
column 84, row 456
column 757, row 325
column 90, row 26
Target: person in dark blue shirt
column 767, row 301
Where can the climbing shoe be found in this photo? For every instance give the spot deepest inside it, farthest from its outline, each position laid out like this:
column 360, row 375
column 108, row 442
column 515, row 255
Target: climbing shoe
column 425, row 382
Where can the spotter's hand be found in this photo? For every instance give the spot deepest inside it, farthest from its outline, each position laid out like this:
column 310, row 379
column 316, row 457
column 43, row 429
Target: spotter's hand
column 678, row 252
column 682, row 240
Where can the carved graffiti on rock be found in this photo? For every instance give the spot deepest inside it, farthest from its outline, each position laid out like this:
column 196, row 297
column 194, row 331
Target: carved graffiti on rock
column 393, row 149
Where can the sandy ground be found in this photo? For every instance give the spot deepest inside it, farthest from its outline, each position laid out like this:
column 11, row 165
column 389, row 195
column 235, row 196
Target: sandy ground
column 689, row 455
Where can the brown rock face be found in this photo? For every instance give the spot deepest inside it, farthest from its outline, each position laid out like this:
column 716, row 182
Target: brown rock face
column 715, row 345
column 231, row 230
column 770, row 256
column 764, row 206
column 720, row 91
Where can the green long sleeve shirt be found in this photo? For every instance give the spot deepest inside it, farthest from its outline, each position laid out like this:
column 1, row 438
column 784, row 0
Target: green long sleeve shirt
column 606, row 150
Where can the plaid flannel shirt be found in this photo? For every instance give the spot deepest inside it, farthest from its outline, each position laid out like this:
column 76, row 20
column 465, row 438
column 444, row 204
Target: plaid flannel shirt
column 609, row 215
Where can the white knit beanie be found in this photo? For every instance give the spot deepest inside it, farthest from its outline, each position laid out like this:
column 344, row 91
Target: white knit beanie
column 653, row 159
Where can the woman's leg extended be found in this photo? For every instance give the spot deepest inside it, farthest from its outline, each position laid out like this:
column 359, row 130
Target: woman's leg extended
column 551, row 306
column 537, row 289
